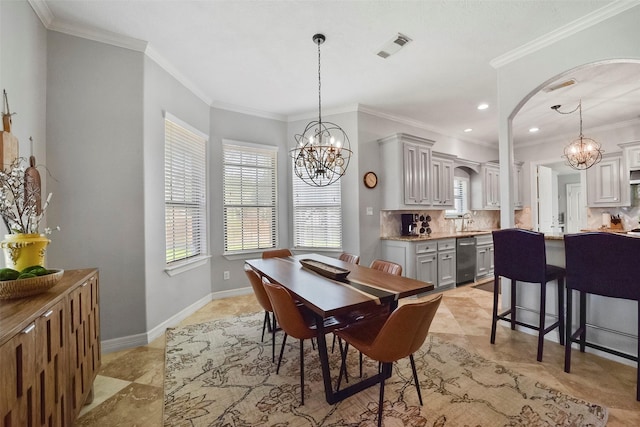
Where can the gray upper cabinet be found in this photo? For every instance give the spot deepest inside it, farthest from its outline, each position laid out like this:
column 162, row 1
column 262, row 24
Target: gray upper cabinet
column 631, row 153
column 442, row 180
column 406, row 174
column 485, row 188
column 608, row 182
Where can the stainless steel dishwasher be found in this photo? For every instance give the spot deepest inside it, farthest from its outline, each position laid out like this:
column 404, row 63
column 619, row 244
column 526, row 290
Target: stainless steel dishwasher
column 465, row 259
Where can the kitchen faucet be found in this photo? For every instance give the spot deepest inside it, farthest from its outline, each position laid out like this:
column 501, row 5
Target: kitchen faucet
column 466, row 220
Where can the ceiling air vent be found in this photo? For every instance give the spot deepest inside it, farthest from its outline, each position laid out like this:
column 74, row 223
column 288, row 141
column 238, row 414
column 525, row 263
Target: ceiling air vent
column 393, row 45
column 560, row 85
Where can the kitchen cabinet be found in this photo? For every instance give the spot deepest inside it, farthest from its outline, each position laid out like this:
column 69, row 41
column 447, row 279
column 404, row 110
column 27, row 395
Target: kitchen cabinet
column 484, row 256
column 432, row 261
column 44, row 358
column 406, row 176
column 446, row 263
column 608, row 182
column 631, row 154
column 485, row 188
column 518, row 189
column 442, row 180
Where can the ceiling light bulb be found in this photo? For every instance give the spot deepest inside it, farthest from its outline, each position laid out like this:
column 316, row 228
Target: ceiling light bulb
column 468, row 130
column 483, row 106
column 533, row 129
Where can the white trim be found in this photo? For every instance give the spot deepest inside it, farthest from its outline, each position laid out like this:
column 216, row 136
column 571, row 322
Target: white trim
column 168, row 116
column 42, row 10
column 184, row 266
column 100, row 36
column 351, row 108
column 580, row 24
column 250, row 145
column 137, row 340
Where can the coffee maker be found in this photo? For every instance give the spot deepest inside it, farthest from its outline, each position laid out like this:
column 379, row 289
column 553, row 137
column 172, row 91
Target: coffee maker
column 408, row 225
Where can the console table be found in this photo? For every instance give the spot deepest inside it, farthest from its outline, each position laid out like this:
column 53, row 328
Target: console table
column 50, row 352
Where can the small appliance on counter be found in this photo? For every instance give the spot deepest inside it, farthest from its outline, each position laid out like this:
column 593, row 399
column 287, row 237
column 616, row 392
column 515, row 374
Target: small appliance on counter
column 415, row 225
column 408, row 226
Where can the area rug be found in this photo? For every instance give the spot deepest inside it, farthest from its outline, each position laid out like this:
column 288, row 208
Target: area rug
column 220, row 374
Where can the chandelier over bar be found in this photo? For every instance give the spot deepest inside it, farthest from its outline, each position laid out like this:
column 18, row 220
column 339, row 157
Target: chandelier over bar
column 323, row 150
column 582, row 152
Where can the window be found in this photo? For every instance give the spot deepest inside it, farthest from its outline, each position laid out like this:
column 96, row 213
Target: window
column 184, row 191
column 317, row 215
column 249, row 185
column 460, row 197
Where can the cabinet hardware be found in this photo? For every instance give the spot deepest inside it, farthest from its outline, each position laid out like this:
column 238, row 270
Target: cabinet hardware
column 29, row 328
column 48, row 313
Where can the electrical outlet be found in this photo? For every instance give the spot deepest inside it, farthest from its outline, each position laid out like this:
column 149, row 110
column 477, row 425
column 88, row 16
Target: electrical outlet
column 226, row 275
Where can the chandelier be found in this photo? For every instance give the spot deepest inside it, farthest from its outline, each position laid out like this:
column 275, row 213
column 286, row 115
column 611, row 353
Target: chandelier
column 323, row 150
column 582, row 152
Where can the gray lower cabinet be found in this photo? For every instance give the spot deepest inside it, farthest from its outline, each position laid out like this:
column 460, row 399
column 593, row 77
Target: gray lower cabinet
column 484, row 256
column 433, row 261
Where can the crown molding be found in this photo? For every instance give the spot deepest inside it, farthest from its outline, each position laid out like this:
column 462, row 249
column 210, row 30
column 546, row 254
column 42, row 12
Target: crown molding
column 42, row 10
column 423, row 125
column 593, row 18
column 568, row 135
column 248, row 111
column 101, row 36
column 350, row 108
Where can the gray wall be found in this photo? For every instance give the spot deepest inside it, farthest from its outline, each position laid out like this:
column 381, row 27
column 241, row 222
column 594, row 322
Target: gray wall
column 95, row 157
column 23, row 74
column 166, row 295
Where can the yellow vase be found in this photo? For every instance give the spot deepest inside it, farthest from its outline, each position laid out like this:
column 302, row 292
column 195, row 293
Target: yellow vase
column 24, row 250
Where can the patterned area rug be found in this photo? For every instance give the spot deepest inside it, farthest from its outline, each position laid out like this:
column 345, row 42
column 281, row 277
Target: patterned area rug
column 220, row 374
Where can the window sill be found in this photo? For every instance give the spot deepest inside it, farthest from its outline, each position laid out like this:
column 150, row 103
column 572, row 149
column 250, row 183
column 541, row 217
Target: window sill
column 185, row 266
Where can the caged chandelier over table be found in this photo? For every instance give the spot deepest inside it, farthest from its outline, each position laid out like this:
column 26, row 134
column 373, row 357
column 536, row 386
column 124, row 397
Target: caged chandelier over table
column 323, row 150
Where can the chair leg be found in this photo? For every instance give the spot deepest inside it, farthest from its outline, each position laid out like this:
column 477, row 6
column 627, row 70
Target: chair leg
column 415, row 378
column 583, row 321
column 273, row 339
column 284, row 340
column 494, row 317
column 360, row 364
column 543, row 309
column 333, row 344
column 266, row 323
column 386, row 368
column 302, row 371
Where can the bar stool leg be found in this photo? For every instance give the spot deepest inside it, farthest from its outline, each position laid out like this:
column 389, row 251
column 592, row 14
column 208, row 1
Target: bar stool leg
column 494, row 321
column 583, row 321
column 567, row 344
column 561, row 309
column 543, row 309
column 513, row 304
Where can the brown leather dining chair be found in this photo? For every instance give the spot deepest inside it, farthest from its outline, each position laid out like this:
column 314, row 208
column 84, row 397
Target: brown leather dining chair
column 276, row 253
column 263, row 299
column 600, row 264
column 390, row 339
column 294, row 321
column 350, row 258
column 387, row 267
column 520, row 255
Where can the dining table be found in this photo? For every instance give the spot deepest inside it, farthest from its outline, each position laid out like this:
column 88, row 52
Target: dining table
column 355, row 289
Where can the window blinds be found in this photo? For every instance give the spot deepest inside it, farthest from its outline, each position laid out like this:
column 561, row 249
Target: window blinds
column 185, row 192
column 250, row 211
column 317, row 215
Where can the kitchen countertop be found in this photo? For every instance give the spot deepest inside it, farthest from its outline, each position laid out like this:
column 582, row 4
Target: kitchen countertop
column 437, row 236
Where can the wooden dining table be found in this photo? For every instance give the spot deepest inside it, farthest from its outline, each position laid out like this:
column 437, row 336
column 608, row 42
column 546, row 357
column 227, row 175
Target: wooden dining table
column 362, row 289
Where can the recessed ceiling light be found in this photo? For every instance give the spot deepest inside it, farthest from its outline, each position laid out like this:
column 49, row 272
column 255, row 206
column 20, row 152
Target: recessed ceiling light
column 468, row 130
column 483, row 106
column 533, row 129
column 393, row 46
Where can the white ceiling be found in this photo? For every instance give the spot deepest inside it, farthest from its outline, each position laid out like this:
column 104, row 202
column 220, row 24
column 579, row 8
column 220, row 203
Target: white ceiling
column 259, row 56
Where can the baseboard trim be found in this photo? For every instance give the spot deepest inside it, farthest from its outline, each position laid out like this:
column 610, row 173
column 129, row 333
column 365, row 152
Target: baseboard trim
column 137, row 340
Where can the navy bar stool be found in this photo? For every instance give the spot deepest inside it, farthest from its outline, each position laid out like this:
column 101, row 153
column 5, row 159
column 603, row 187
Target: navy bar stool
column 519, row 255
column 602, row 264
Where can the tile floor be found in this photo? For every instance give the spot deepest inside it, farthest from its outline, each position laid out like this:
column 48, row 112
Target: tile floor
column 129, row 387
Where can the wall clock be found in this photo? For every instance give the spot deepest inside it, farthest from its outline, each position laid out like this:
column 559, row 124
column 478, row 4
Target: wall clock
column 370, row 180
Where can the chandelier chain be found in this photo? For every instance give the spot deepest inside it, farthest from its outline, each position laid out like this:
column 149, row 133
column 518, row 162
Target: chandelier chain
column 319, row 86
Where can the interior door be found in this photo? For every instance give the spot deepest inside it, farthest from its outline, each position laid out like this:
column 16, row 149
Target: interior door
column 576, row 202
column 547, row 199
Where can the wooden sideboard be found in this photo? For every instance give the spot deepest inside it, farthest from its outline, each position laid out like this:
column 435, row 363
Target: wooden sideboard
column 50, row 352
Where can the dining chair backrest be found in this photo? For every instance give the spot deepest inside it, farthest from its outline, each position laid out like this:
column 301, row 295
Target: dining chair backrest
column 350, row 258
column 287, row 312
column 603, row 264
column 519, row 255
column 276, row 253
column 387, row 267
column 404, row 331
column 258, row 288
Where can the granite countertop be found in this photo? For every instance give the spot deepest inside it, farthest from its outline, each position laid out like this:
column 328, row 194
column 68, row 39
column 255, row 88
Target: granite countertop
column 437, row 235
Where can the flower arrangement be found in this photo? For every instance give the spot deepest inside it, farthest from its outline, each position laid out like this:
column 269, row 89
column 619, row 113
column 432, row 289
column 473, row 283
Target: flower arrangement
column 20, row 198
